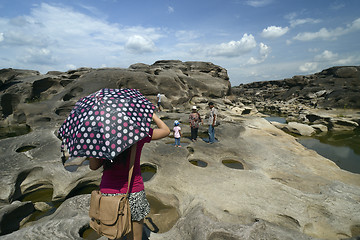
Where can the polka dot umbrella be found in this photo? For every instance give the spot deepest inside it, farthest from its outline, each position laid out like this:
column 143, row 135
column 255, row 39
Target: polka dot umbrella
column 105, row 123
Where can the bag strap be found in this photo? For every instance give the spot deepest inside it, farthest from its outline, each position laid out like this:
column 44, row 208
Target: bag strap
column 131, row 166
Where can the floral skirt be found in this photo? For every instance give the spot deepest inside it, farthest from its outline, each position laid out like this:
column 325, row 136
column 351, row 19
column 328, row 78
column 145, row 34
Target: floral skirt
column 139, row 205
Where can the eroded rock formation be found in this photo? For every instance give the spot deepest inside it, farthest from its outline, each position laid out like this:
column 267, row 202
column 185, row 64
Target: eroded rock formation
column 284, row 190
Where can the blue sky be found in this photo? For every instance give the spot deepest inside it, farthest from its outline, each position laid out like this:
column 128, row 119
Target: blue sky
column 255, row 40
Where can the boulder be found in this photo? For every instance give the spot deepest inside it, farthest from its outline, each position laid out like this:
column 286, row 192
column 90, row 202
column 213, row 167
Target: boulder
column 300, row 129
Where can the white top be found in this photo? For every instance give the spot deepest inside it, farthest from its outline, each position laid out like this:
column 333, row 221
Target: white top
column 177, row 130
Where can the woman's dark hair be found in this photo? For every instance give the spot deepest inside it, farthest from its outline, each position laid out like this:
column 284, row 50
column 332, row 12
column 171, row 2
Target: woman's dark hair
column 121, row 158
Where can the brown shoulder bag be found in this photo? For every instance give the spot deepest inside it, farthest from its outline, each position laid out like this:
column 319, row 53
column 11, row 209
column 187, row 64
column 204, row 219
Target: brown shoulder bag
column 110, row 216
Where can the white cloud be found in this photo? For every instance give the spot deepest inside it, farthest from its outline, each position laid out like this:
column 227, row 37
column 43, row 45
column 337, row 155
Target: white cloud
column 347, row 61
column 37, row 56
column 264, row 53
column 170, row 9
column 139, row 44
column 308, row 67
column 234, row 48
column 258, row 3
column 52, row 35
column 326, row 56
column 71, row 66
column 331, row 34
column 274, row 32
column 296, row 22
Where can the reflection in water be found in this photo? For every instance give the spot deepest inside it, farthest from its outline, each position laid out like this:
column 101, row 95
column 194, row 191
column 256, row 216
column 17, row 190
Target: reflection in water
column 342, row 147
column 276, row 119
column 343, row 156
column 198, row 163
column 147, row 171
column 233, row 164
column 13, row 131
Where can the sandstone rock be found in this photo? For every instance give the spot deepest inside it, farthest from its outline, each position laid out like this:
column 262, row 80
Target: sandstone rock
column 334, row 87
column 283, row 191
column 299, row 128
column 320, row 127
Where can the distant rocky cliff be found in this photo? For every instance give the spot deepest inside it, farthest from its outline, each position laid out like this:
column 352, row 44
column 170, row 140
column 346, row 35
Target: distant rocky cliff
column 27, row 96
column 336, row 87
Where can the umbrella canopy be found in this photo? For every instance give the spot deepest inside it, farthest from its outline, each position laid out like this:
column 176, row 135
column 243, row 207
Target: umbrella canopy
column 105, row 123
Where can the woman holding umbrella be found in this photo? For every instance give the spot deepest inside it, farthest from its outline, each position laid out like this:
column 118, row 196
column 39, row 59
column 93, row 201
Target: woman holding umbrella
column 104, row 126
column 114, row 179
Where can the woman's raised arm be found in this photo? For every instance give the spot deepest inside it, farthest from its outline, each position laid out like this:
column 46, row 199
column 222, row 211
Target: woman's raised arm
column 162, row 130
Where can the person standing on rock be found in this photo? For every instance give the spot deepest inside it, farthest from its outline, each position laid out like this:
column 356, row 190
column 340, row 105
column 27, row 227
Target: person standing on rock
column 177, row 133
column 195, row 120
column 212, row 122
column 158, row 97
column 114, row 180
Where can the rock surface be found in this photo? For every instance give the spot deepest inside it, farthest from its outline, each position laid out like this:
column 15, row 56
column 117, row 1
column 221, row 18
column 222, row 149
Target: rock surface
column 336, row 87
column 284, row 190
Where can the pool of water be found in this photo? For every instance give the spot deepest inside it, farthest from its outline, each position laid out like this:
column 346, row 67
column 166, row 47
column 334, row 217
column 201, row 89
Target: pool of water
column 343, row 148
column 276, row 119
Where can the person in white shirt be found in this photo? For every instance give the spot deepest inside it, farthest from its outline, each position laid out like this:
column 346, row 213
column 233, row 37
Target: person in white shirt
column 159, row 101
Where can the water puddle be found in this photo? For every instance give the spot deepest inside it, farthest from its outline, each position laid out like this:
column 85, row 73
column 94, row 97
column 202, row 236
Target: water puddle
column 147, row 171
column 13, row 131
column 25, row 148
column 198, row 163
column 233, row 164
column 340, row 152
column 276, row 119
column 43, row 196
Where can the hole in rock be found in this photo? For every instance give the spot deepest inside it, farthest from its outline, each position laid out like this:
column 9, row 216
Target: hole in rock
column 43, row 196
column 39, row 87
column 147, row 171
column 65, row 82
column 40, row 195
column 198, row 163
column 67, row 97
column 8, row 103
column 88, row 233
column 13, row 131
column 84, row 188
column 72, row 93
column 191, row 150
column 25, row 148
column 162, row 217
column 355, row 230
column 233, row 164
